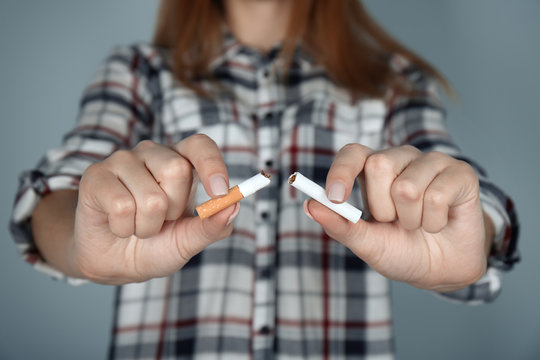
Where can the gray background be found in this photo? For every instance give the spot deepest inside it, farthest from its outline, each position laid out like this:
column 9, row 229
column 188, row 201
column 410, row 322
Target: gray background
column 487, row 48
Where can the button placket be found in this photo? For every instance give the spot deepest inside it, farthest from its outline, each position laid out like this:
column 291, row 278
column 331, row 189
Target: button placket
column 265, row 287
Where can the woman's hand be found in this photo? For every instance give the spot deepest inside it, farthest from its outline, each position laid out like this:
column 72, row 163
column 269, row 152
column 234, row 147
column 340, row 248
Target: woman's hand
column 134, row 217
column 425, row 222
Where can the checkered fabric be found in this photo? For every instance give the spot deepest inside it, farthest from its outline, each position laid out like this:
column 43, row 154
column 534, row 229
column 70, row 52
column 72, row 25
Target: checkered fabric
column 278, row 287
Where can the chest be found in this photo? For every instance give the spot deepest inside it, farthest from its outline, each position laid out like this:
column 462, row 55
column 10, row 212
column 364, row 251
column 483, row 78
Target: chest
column 265, row 129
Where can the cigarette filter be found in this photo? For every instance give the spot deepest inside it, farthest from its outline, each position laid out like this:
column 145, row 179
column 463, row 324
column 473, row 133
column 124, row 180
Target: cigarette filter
column 315, row 191
column 235, row 194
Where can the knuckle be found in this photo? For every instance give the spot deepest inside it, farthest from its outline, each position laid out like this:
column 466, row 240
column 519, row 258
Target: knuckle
column 92, row 168
column 121, row 156
column 353, row 148
column 436, row 156
column 176, row 168
column 200, row 139
column 122, row 206
column 467, row 173
column 379, row 164
column 154, row 203
column 96, row 169
column 405, row 189
column 410, row 148
column 93, row 171
column 145, row 145
column 435, row 198
column 350, row 146
column 465, row 168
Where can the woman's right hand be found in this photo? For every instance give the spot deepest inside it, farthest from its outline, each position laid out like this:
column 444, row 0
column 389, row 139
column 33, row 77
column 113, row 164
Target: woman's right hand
column 134, row 218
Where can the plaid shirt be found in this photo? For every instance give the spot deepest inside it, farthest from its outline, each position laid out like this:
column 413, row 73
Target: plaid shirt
column 278, row 286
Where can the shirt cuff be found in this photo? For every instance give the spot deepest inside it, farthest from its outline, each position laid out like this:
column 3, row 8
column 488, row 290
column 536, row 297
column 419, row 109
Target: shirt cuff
column 503, row 250
column 34, row 185
column 483, row 291
column 504, row 253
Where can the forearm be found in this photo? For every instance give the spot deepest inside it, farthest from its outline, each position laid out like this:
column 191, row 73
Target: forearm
column 52, row 227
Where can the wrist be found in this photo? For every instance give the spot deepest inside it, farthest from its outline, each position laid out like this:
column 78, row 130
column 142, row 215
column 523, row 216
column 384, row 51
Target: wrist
column 73, row 266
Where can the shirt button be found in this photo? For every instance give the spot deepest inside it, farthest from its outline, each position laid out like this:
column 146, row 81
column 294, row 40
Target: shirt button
column 266, row 73
column 265, row 330
column 268, row 116
column 269, row 163
column 265, row 215
column 265, row 273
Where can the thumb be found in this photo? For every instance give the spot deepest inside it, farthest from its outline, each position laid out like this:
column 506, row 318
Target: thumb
column 178, row 242
column 334, row 224
column 195, row 234
column 358, row 237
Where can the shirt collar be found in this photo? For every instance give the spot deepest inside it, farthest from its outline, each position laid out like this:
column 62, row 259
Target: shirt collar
column 232, row 48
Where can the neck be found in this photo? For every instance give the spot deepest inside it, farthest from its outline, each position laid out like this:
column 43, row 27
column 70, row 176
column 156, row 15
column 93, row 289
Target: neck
column 258, row 23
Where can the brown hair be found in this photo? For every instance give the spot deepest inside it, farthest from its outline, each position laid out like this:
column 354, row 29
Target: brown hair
column 340, row 34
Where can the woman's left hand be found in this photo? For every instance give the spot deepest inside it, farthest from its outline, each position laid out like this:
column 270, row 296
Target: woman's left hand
column 425, row 224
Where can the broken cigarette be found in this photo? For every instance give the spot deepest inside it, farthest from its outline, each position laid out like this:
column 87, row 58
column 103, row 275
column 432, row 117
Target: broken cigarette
column 315, row 191
column 235, row 194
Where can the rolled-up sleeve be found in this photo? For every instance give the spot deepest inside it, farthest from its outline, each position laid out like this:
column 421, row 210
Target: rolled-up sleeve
column 115, row 113
column 420, row 120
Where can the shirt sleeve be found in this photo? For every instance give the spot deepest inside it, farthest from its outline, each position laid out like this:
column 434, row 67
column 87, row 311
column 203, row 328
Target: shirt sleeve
column 419, row 120
column 115, row 113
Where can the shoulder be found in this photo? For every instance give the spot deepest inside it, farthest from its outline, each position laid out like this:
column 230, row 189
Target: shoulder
column 405, row 69
column 139, row 70
column 416, row 80
column 139, row 57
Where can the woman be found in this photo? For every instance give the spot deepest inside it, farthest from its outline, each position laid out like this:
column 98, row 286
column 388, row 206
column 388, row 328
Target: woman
column 229, row 88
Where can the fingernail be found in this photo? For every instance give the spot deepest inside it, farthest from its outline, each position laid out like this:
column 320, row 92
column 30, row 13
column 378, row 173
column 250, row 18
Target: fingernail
column 336, row 193
column 218, row 185
column 307, row 211
column 234, row 214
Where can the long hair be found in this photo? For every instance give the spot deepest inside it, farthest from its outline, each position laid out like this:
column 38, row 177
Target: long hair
column 340, row 34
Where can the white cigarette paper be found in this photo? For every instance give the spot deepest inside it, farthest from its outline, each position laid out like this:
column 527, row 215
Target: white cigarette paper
column 316, row 192
column 254, row 184
column 235, row 194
